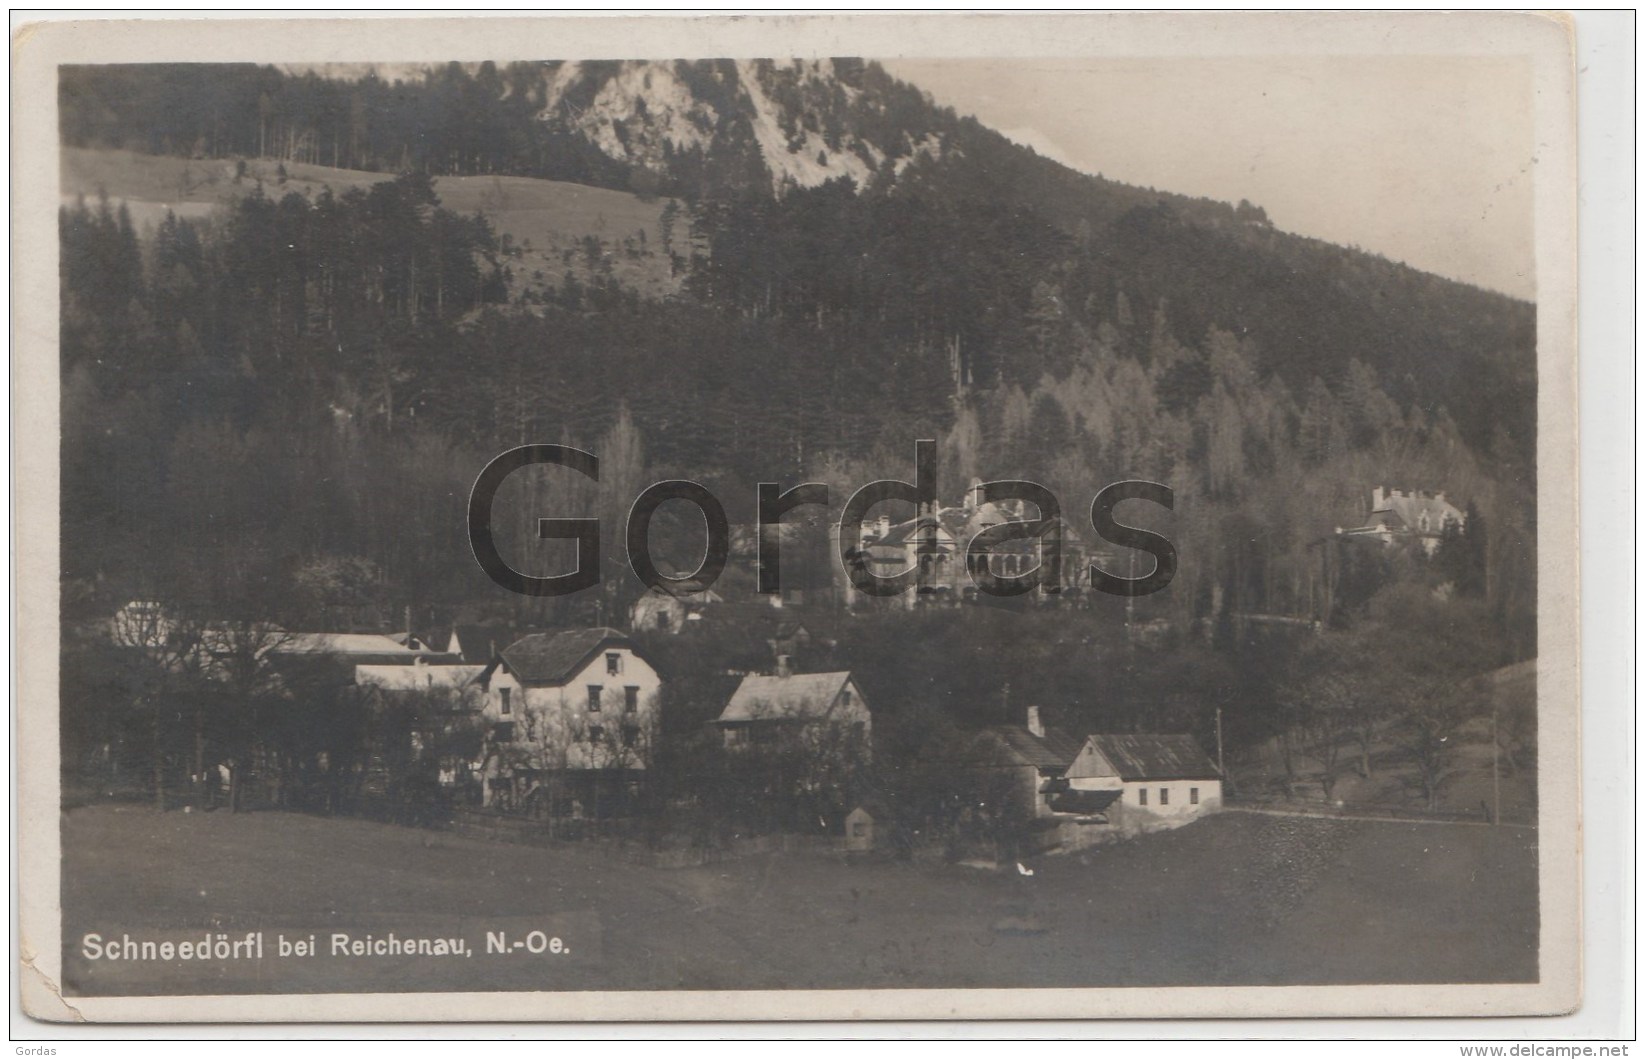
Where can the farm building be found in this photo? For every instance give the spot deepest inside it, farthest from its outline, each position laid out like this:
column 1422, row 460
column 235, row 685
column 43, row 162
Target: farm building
column 1071, row 792
column 418, row 710
column 1157, row 781
column 1032, row 760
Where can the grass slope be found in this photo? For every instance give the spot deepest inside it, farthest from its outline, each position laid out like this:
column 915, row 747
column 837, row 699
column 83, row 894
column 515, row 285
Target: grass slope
column 549, row 217
column 1233, row 899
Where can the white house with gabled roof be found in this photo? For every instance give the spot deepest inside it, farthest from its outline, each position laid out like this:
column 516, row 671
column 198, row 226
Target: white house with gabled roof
column 574, row 701
column 1159, row 781
column 767, row 707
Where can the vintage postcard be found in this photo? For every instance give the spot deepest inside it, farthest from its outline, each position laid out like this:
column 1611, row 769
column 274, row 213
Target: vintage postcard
column 812, row 517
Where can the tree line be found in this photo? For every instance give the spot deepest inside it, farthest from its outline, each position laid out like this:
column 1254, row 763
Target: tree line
column 275, row 416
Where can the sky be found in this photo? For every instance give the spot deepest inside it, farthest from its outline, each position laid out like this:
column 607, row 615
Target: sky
column 1424, row 160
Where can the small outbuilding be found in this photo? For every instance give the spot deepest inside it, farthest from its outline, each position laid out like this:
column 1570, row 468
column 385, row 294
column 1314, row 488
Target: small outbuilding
column 859, row 830
column 672, row 609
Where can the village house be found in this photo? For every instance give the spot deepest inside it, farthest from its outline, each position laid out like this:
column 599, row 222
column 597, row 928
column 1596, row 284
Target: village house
column 1153, row 781
column 1070, row 792
column 454, row 682
column 473, row 644
column 358, row 648
column 817, row 709
column 789, row 638
column 147, row 622
column 796, row 748
column 422, row 709
column 1407, row 515
column 670, row 610
column 1025, row 764
column 570, row 718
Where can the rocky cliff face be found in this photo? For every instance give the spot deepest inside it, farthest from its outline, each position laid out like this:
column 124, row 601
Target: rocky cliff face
column 797, row 123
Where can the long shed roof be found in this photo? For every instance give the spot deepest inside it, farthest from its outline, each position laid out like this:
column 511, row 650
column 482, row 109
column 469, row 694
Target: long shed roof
column 1154, row 757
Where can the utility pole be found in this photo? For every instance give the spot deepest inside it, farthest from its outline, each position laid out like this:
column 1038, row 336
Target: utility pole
column 1496, row 774
column 1131, row 604
column 1220, row 771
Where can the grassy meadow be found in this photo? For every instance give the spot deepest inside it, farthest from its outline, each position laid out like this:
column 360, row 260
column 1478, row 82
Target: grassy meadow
column 1233, row 899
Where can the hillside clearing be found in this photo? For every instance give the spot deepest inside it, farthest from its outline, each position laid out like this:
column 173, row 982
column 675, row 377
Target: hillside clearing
column 552, row 218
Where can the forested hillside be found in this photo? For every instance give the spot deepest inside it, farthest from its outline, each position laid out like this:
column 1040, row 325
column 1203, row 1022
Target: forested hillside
column 311, row 378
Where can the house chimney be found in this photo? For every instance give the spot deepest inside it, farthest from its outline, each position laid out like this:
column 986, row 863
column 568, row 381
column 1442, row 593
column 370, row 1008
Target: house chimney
column 1034, row 725
column 1376, row 497
column 785, row 666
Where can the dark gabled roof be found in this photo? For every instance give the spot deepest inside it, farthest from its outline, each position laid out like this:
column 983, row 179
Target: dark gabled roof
column 1055, row 750
column 551, row 658
column 480, row 641
column 1075, row 800
column 1150, row 757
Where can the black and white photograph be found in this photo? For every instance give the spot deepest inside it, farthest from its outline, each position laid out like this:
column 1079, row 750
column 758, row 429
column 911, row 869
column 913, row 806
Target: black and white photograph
column 608, row 514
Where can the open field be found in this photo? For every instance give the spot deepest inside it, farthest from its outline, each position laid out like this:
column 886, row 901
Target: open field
column 1233, row 899
column 549, row 217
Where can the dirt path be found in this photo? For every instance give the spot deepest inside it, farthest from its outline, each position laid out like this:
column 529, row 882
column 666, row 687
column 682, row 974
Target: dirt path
column 1327, row 815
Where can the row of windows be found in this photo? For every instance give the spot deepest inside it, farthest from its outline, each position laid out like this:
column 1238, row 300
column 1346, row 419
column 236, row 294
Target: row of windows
column 631, row 699
column 1165, row 796
column 503, row 732
column 771, row 732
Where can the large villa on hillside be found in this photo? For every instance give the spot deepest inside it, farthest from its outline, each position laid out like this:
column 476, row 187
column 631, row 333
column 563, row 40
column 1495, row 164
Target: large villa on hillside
column 1408, row 515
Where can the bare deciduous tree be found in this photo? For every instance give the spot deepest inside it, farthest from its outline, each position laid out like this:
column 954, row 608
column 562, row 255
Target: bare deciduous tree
column 163, row 663
column 1428, row 730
